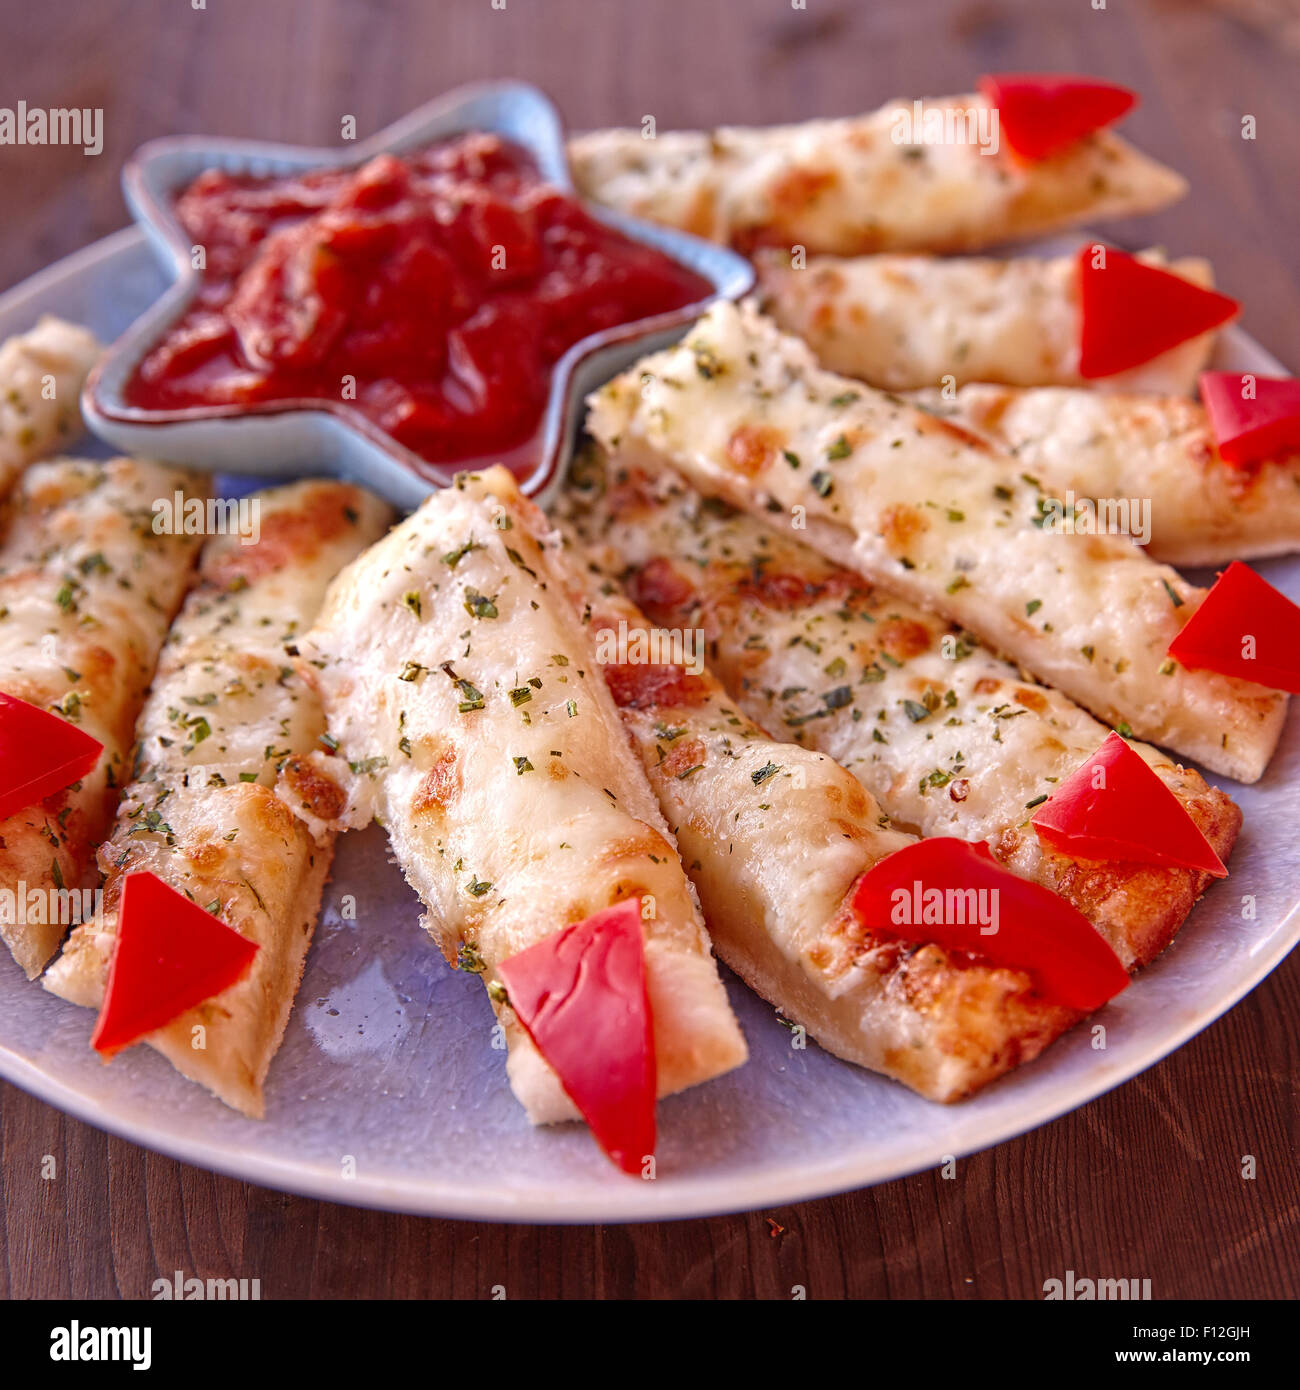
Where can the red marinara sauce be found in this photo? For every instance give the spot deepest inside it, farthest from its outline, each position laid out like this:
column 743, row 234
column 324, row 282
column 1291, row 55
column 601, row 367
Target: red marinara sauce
column 434, row 291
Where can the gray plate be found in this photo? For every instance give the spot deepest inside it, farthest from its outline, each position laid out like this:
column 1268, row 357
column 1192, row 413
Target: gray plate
column 388, row 1093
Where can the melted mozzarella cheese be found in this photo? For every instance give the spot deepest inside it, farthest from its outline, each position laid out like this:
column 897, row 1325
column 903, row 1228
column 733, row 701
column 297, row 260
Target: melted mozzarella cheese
column 864, row 184
column 227, row 714
column 942, row 519
column 456, row 676
column 87, row 589
column 1156, row 450
column 41, row 376
column 905, row 322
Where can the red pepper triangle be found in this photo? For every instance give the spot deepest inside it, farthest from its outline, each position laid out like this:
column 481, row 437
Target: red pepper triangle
column 170, row 956
column 1245, row 628
column 1249, row 428
column 40, row 754
column 1041, row 113
column 922, row 893
column 1131, row 311
column 581, row 996
column 1115, row 807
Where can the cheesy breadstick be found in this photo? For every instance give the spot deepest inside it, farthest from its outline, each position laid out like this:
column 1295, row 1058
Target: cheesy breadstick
column 222, row 793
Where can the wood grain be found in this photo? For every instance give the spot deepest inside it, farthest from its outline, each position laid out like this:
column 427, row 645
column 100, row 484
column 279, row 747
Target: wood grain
column 1145, row 1182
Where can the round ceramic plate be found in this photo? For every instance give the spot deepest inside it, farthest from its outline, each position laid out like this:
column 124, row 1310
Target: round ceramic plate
column 388, row 1092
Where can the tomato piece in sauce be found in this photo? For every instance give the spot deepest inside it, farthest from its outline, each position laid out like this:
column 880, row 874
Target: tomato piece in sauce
column 433, row 292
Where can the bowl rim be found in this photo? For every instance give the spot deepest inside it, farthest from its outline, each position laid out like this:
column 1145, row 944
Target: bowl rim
column 159, row 168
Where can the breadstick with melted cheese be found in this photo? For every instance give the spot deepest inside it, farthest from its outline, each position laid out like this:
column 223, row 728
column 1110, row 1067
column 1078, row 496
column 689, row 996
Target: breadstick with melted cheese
column 87, row 590
column 454, row 673
column 1157, row 450
column 908, row 322
column 940, row 517
column 851, row 186
column 41, row 376
column 223, row 792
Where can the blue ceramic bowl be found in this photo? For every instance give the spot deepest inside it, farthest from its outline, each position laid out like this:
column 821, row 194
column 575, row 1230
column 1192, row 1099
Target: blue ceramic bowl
column 325, row 437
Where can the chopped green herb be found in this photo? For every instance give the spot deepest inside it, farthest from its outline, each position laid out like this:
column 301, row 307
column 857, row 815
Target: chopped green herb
column 840, row 449
column 454, row 557
column 479, row 605
column 470, row 698
column 367, row 767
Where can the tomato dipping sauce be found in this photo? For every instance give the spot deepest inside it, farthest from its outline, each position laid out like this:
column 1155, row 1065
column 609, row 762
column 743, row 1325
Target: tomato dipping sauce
column 433, row 292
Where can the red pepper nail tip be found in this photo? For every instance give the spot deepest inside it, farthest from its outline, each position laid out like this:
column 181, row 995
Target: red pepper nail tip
column 170, row 956
column 40, row 754
column 1244, row 628
column 922, row 893
column 580, row 994
column 1041, row 114
column 1131, row 817
column 1131, row 312
column 1253, row 418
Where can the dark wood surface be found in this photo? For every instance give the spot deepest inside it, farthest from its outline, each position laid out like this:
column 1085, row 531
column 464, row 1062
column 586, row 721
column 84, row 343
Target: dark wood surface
column 1143, row 1183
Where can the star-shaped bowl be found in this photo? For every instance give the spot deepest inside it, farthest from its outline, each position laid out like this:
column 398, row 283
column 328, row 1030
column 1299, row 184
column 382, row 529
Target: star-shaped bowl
column 316, row 436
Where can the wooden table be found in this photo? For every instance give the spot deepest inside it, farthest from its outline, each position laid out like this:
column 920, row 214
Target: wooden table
column 1145, row 1182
